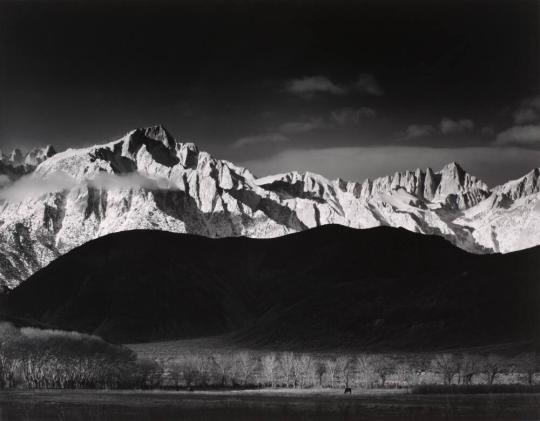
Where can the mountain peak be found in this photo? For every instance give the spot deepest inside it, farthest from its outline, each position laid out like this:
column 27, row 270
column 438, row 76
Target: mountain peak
column 38, row 155
column 49, row 150
column 159, row 133
column 453, row 167
column 16, row 157
column 157, row 140
column 523, row 186
column 452, row 173
column 458, row 188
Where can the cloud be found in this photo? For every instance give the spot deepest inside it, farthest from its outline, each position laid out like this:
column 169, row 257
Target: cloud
column 528, row 135
column 279, row 134
column 31, row 186
column 419, row 130
column 351, row 116
column 302, row 126
column 367, row 83
column 309, row 86
column 337, row 118
column 449, row 126
column 529, row 111
column 446, row 126
column 525, row 115
column 533, row 102
column 487, row 130
column 261, row 138
column 4, row 180
column 359, row 163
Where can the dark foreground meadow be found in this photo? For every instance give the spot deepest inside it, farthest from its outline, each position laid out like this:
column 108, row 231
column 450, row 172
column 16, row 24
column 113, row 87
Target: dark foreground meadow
column 261, row 405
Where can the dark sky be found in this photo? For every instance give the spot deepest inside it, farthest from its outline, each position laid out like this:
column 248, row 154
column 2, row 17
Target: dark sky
column 351, row 89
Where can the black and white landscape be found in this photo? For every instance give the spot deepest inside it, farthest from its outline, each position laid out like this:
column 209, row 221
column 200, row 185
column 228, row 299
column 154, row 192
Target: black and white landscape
column 269, row 210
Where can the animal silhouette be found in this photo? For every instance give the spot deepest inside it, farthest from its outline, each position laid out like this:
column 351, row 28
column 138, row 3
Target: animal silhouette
column 348, row 390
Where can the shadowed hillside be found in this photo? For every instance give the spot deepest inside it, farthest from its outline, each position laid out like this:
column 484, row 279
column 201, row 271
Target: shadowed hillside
column 328, row 287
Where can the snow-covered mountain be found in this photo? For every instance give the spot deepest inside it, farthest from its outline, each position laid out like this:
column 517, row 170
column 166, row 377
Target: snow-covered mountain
column 16, row 164
column 149, row 180
column 509, row 219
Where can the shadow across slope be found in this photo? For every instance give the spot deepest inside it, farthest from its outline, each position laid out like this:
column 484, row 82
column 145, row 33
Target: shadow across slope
column 327, row 287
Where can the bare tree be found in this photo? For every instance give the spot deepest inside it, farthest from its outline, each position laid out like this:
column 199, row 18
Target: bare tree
column 365, row 370
column 383, row 367
column 245, row 366
column 287, row 360
column 345, row 369
column 269, row 364
column 405, row 374
column 492, row 366
column 331, row 369
column 296, row 372
column 528, row 364
column 421, row 366
column 447, row 366
column 224, row 364
column 469, row 367
column 202, row 366
column 175, row 369
column 190, row 372
column 320, row 370
column 304, row 369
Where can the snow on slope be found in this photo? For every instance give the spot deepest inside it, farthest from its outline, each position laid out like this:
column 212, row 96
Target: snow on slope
column 509, row 219
column 149, row 180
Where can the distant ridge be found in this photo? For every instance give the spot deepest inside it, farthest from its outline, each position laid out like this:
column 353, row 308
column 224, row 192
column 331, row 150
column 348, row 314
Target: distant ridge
column 329, row 287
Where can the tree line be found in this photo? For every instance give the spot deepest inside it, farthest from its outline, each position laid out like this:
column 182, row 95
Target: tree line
column 302, row 370
column 37, row 358
column 45, row 359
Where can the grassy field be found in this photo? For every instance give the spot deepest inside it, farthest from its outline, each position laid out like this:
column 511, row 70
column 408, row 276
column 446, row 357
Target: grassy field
column 260, row 405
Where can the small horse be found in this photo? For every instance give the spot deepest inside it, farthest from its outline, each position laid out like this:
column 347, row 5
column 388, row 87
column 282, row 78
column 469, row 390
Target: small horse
column 348, row 390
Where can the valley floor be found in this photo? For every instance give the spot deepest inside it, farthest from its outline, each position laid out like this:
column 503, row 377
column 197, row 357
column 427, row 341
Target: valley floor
column 48, row 405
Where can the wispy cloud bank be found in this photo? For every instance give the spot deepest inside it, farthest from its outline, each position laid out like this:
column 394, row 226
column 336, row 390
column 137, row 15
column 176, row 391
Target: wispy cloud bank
column 367, row 83
column 309, row 86
column 449, row 126
column 260, row 138
column 528, row 111
column 419, row 130
column 344, row 117
column 528, row 135
column 446, row 126
column 525, row 115
column 352, row 116
column 302, row 126
column 4, row 180
column 31, row 186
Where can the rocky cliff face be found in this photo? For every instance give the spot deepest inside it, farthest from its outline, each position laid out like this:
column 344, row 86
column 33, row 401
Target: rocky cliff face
column 37, row 155
column 149, row 180
column 15, row 164
column 509, row 219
